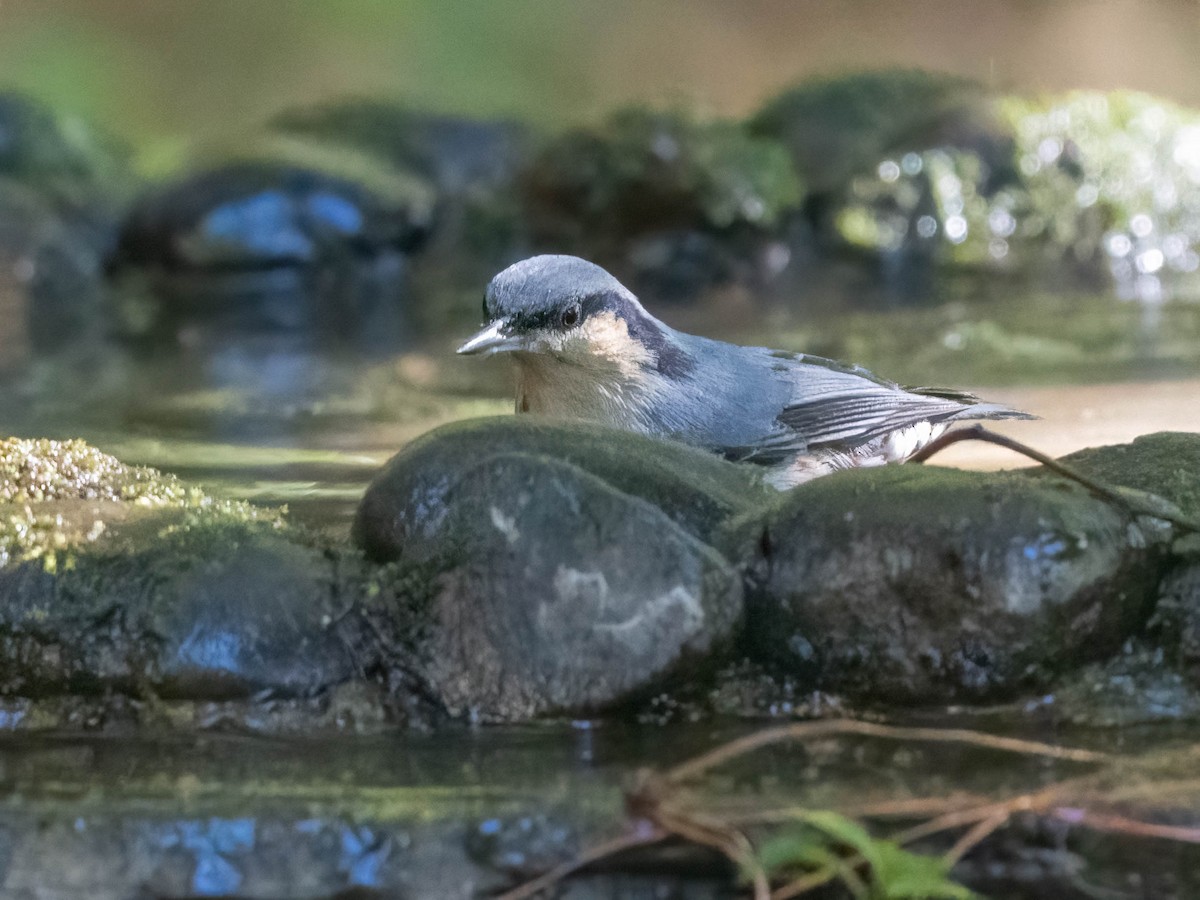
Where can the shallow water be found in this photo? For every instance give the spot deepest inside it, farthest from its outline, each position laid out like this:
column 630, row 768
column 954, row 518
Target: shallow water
column 448, row 814
column 216, row 814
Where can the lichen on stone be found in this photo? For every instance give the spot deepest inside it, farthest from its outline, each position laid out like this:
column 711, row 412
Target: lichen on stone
column 37, row 470
column 59, row 496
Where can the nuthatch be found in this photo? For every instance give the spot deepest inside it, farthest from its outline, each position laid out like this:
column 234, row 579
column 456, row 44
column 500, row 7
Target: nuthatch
column 586, row 349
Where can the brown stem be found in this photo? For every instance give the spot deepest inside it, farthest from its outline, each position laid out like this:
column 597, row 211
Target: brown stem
column 800, row 731
column 911, row 807
column 809, row 882
column 1124, row 825
column 1103, row 491
column 978, row 833
column 730, row 842
column 586, row 858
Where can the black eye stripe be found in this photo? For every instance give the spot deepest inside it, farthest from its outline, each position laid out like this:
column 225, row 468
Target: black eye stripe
column 560, row 315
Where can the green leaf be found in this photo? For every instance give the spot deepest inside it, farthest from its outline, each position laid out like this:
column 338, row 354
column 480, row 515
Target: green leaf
column 798, row 848
column 844, row 832
column 901, row 875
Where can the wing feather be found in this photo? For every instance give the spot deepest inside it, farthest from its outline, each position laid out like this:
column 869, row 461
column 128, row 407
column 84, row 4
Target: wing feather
column 841, row 407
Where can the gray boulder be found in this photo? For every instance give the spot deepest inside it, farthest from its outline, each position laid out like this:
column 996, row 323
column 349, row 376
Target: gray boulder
column 919, row 584
column 553, row 587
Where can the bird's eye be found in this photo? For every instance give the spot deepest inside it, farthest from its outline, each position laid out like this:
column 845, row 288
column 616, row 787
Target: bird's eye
column 570, row 316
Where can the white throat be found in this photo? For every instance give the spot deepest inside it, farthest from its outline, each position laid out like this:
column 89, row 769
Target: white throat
column 597, row 373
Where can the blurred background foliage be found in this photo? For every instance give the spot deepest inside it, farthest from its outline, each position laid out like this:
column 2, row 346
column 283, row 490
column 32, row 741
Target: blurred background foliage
column 154, row 71
column 970, row 193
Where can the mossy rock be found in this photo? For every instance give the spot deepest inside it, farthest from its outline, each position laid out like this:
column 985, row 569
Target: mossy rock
column 650, row 171
column 1166, row 464
column 120, row 578
column 456, row 153
column 69, row 161
column 842, row 126
column 920, row 584
column 697, row 490
column 555, row 593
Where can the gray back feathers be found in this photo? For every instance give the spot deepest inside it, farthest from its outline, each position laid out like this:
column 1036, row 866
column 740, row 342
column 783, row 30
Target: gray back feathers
column 746, row 402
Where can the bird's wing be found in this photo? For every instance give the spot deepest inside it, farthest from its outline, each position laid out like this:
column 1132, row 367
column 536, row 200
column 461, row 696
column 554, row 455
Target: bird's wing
column 831, row 405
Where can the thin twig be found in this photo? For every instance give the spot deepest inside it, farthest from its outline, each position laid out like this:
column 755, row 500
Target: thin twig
column 586, row 858
column 810, row 882
column 976, row 836
column 1154, row 790
column 730, row 842
column 910, row 807
column 913, row 806
column 1101, row 490
column 1037, row 802
column 800, row 731
column 1124, row 825
column 949, row 822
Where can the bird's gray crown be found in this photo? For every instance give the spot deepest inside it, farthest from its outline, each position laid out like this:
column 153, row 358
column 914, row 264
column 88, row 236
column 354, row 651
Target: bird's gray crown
column 541, row 286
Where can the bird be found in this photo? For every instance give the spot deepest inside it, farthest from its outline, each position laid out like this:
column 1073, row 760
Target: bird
column 586, row 349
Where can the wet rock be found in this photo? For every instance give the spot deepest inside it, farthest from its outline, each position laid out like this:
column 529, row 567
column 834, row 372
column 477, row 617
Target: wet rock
column 405, row 505
column 476, row 228
column 1176, row 623
column 458, row 154
column 209, row 610
column 83, row 174
column 1143, row 683
column 557, row 593
column 917, row 584
column 63, row 188
column 899, row 165
column 838, row 128
column 638, row 191
column 553, row 588
column 117, row 578
column 272, row 247
column 52, row 288
column 258, row 617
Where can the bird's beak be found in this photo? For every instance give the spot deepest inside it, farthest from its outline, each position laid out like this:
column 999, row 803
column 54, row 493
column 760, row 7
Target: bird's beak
column 492, row 339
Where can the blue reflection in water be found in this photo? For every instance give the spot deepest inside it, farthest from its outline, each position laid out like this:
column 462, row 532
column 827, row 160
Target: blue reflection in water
column 489, row 826
column 363, row 855
column 209, row 842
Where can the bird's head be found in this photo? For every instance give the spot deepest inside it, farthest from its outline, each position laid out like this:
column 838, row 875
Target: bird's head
column 571, row 311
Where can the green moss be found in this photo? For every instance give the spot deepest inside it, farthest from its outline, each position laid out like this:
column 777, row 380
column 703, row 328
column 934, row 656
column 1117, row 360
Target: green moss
column 39, row 470
column 392, row 185
column 644, row 170
column 1083, row 184
column 696, row 489
column 61, row 156
column 57, row 497
column 1166, row 464
column 842, row 126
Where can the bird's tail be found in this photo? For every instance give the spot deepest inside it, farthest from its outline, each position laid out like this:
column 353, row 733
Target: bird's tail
column 973, row 407
column 989, row 411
